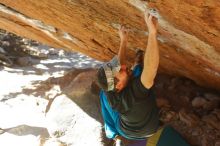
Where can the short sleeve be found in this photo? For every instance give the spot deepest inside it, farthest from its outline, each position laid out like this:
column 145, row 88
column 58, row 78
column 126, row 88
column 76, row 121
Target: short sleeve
column 141, row 87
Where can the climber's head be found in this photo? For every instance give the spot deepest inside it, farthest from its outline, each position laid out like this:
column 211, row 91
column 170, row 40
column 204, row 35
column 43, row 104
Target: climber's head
column 112, row 76
column 139, row 57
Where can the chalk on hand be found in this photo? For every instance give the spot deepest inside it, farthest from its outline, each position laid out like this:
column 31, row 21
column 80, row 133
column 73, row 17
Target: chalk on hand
column 154, row 13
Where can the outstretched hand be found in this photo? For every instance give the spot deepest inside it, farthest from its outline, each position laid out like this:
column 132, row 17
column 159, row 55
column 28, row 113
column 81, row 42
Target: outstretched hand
column 152, row 22
column 123, row 33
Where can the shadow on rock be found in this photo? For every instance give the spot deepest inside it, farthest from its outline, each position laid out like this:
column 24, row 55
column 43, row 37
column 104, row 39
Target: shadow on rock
column 22, row 130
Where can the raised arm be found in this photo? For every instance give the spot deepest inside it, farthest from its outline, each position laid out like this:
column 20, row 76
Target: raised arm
column 151, row 57
column 123, row 33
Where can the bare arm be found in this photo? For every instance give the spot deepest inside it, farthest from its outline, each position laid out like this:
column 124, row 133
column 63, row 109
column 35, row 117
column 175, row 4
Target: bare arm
column 151, row 57
column 123, row 33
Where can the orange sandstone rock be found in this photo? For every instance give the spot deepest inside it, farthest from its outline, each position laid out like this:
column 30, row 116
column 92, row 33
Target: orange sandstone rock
column 189, row 33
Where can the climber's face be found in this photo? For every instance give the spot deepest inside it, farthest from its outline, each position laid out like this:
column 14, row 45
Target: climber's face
column 121, row 78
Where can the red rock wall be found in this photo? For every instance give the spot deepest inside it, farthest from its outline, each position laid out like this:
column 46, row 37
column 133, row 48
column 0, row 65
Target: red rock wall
column 188, row 34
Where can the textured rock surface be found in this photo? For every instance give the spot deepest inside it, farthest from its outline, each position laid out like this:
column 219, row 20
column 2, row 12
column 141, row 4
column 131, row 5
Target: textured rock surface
column 188, row 34
column 35, row 114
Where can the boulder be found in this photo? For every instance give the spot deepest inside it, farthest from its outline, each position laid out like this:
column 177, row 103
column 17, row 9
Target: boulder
column 73, row 113
column 189, row 31
column 199, row 102
column 75, row 123
column 23, row 61
column 80, row 84
column 2, row 50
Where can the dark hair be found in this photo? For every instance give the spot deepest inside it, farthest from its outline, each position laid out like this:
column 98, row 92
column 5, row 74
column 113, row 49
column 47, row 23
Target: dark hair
column 101, row 79
column 140, row 57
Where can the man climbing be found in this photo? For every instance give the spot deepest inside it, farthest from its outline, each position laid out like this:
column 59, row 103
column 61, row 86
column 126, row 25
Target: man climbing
column 127, row 99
